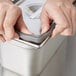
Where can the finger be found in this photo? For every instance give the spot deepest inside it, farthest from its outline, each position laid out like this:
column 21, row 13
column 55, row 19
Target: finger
column 58, row 29
column 2, row 39
column 60, row 20
column 9, row 22
column 57, row 15
column 45, row 20
column 2, row 16
column 67, row 14
column 16, row 36
column 21, row 26
column 74, row 19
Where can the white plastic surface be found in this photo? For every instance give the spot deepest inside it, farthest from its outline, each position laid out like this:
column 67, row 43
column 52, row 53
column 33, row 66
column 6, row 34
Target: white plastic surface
column 26, row 60
column 55, row 65
column 32, row 24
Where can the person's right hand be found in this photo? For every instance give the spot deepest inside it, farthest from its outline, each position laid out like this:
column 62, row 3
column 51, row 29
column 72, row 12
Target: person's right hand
column 10, row 17
column 63, row 13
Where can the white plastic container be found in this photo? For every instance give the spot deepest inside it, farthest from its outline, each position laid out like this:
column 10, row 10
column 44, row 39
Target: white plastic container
column 26, row 60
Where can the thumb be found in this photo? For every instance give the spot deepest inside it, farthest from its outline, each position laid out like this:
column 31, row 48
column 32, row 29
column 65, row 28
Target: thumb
column 21, row 26
column 45, row 20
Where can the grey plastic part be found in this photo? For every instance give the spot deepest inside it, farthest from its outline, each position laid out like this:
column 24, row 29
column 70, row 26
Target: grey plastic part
column 37, row 39
column 17, row 2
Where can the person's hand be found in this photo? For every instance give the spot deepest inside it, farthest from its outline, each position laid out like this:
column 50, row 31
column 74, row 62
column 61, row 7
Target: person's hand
column 10, row 18
column 63, row 13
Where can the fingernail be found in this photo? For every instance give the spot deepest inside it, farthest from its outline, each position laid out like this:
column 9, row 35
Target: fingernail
column 27, row 32
column 44, row 29
column 2, row 40
column 7, row 38
column 16, row 37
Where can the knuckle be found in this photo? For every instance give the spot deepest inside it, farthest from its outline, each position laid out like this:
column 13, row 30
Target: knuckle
column 5, row 24
column 60, row 4
column 66, row 25
column 9, row 34
column 15, row 9
column 2, row 6
column 74, row 9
